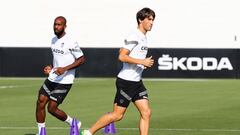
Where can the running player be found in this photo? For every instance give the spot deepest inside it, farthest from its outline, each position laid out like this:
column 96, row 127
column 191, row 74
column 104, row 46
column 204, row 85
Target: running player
column 129, row 83
column 67, row 55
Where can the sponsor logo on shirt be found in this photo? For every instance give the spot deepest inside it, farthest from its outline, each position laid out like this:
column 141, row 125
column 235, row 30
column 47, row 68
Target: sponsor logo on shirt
column 57, row 51
column 144, row 48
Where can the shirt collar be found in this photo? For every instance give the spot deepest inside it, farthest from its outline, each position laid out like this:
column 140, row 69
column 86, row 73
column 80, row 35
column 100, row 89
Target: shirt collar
column 140, row 33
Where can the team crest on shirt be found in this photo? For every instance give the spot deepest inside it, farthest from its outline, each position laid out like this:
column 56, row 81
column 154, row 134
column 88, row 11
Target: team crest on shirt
column 121, row 101
column 62, row 44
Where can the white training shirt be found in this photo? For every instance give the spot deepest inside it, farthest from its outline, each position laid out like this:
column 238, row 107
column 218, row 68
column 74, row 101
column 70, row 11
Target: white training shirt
column 136, row 43
column 65, row 51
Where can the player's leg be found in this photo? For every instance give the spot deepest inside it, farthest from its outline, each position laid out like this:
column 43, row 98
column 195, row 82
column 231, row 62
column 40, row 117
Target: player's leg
column 121, row 102
column 57, row 95
column 55, row 111
column 116, row 115
column 145, row 114
column 40, row 111
column 140, row 100
column 40, row 107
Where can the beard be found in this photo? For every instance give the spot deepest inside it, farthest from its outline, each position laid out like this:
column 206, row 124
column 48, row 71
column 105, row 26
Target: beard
column 58, row 33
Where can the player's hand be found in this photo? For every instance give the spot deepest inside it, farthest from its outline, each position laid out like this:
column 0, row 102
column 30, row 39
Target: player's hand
column 59, row 70
column 47, row 69
column 148, row 62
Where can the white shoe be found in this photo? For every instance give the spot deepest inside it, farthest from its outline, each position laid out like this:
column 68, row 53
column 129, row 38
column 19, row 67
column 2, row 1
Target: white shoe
column 79, row 123
column 85, row 132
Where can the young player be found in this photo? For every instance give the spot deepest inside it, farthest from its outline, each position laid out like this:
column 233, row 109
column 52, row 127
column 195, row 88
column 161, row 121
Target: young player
column 129, row 83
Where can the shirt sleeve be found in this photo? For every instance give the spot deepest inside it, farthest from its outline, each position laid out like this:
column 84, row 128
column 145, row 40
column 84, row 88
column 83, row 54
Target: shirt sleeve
column 76, row 50
column 130, row 42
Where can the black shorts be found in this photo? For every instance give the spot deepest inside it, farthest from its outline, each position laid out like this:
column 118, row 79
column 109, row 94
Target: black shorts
column 129, row 91
column 55, row 91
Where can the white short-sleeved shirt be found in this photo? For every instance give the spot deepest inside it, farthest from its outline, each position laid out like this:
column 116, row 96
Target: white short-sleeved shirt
column 136, row 43
column 65, row 51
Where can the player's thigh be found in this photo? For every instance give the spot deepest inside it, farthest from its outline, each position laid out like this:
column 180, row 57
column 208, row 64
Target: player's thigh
column 42, row 100
column 125, row 92
column 118, row 111
column 59, row 93
column 143, row 107
column 141, row 92
column 52, row 104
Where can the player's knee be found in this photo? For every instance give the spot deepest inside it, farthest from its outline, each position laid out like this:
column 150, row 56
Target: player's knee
column 41, row 102
column 146, row 113
column 52, row 109
column 117, row 117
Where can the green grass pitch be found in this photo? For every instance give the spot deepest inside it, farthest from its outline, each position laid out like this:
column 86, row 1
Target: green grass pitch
column 179, row 106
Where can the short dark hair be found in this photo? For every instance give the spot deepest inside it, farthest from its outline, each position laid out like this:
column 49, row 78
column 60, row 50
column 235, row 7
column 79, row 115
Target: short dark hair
column 62, row 17
column 145, row 13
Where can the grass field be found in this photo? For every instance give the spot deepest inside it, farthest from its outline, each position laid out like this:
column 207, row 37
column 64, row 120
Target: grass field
column 179, row 106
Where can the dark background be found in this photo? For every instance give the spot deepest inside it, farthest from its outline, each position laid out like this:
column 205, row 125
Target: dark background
column 102, row 62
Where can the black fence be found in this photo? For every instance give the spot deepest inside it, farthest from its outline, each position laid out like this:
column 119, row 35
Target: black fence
column 102, row 62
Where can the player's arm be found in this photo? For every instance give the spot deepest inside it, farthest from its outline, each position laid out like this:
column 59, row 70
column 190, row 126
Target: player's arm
column 124, row 57
column 79, row 61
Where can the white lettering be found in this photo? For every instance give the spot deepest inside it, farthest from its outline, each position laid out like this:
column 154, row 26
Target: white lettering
column 192, row 66
column 165, row 63
column 209, row 63
column 224, row 64
column 193, row 63
column 179, row 63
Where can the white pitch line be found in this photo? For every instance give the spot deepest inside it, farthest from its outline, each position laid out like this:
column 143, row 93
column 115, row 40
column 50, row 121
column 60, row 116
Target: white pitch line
column 7, row 87
column 22, row 78
column 185, row 129
column 16, row 86
column 23, row 128
column 110, row 78
column 153, row 129
column 175, row 80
